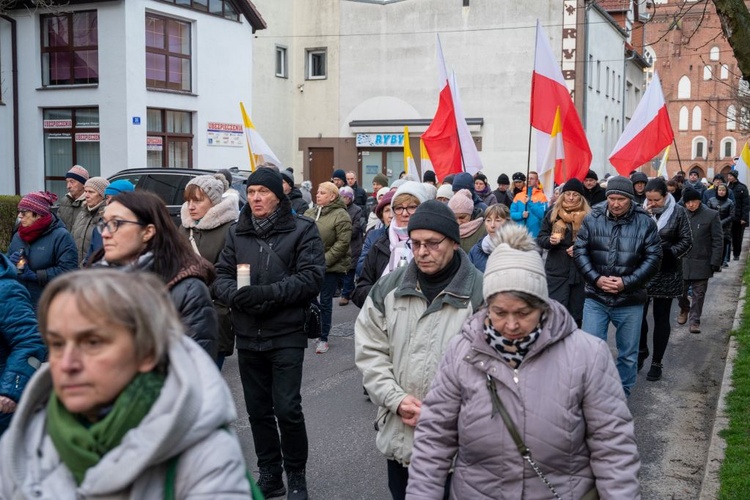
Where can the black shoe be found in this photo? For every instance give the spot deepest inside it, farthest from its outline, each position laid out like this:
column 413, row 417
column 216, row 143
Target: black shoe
column 270, row 484
column 297, row 484
column 642, row 356
column 737, row 258
column 654, row 373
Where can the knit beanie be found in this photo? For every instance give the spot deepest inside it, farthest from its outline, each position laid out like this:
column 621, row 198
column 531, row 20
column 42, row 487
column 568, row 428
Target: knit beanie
column 384, row 202
column 398, row 183
column 461, row 202
column 515, row 265
column 269, row 179
column 38, row 202
column 288, row 176
column 464, row 180
column 620, row 185
column 720, row 177
column 119, row 186
column 98, row 184
column 734, row 174
column 346, row 192
column 430, row 190
column 380, row 179
column 437, row 217
column 503, row 180
column 413, row 188
column 227, row 175
column 381, row 192
column 445, row 191
column 690, row 194
column 591, row 175
column 573, row 185
column 212, row 187
column 429, row 176
column 339, row 174
column 519, row 177
column 638, row 177
column 78, row 173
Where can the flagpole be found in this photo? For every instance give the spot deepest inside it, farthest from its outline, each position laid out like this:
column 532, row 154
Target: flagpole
column 677, row 151
column 463, row 162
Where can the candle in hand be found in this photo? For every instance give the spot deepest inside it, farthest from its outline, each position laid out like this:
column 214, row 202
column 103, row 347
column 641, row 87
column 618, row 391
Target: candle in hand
column 243, row 275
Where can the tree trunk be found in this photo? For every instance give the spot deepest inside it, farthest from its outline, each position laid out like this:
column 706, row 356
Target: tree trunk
column 735, row 23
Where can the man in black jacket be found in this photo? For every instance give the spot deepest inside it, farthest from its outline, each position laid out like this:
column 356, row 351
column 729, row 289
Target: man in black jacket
column 360, row 195
column 502, row 195
column 287, row 264
column 592, row 191
column 617, row 251
column 741, row 212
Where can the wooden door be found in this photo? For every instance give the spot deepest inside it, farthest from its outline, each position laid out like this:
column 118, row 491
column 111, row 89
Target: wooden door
column 321, row 166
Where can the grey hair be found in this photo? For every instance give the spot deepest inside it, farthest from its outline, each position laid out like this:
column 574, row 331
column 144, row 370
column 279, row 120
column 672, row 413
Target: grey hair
column 137, row 301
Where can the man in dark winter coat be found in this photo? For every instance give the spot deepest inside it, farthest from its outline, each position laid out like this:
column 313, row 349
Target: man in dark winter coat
column 502, row 194
column 618, row 250
column 639, row 180
column 592, row 191
column 356, row 214
column 741, row 211
column 299, row 205
column 360, row 195
column 703, row 260
column 694, row 182
column 287, row 264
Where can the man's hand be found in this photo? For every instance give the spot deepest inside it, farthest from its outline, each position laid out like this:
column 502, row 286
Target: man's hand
column 610, row 284
column 526, row 215
column 7, row 405
column 570, row 250
column 743, row 222
column 409, row 410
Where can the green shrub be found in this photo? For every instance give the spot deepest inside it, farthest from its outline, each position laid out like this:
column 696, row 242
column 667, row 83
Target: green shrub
column 8, row 214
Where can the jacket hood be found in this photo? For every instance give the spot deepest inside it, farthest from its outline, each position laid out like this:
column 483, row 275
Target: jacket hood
column 221, row 213
column 194, row 402
column 294, row 193
column 7, row 269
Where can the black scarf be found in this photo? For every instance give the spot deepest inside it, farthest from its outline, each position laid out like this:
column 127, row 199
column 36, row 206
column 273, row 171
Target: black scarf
column 263, row 226
column 432, row 284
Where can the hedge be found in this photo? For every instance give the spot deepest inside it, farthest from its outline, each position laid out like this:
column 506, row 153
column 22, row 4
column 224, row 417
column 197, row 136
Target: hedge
column 8, row 214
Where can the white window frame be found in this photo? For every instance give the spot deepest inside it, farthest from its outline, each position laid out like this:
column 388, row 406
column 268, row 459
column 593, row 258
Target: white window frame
column 682, row 124
column 310, row 54
column 699, row 140
column 724, row 72
column 731, row 117
column 724, row 142
column 697, row 118
column 683, row 88
column 714, row 53
column 281, row 65
column 707, row 72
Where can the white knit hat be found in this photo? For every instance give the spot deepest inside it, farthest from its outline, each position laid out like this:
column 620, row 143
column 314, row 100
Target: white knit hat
column 210, row 185
column 445, row 191
column 515, row 265
column 413, row 188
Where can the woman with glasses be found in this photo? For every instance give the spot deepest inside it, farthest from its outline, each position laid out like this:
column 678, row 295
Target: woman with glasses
column 676, row 237
column 139, row 235
column 558, row 233
column 390, row 250
column 335, row 228
column 42, row 248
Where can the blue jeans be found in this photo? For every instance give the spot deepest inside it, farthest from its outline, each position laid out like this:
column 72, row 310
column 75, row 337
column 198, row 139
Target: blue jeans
column 348, row 286
column 330, row 283
column 627, row 321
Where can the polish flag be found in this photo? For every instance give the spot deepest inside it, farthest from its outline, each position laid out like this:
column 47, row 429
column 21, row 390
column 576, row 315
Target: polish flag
column 555, row 119
column 647, row 134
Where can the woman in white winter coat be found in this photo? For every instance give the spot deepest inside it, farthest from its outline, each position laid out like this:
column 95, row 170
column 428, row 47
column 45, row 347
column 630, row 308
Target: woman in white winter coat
column 559, row 385
column 128, row 406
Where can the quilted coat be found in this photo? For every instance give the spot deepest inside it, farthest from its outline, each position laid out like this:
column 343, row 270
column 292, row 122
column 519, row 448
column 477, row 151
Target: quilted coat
column 707, row 250
column 626, row 246
column 676, row 241
column 725, row 208
column 335, row 228
column 565, row 399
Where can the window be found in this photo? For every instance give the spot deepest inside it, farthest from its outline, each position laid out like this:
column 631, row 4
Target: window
column 731, row 117
column 169, row 142
column 591, row 70
column 70, row 54
column 724, row 74
column 697, row 118
column 316, row 64
column 707, row 72
column 683, row 88
column 683, row 121
column 743, row 89
column 606, row 88
column 714, row 53
column 221, row 8
column 699, row 148
column 281, row 70
column 744, row 119
column 71, row 137
column 728, row 147
column 598, row 75
column 168, row 59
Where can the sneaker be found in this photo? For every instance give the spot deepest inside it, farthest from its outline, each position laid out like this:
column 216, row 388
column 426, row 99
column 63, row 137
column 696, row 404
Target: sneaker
column 695, row 328
column 343, row 301
column 654, row 373
column 297, row 485
column 270, row 484
column 642, row 356
column 726, row 264
column 321, row 347
column 682, row 317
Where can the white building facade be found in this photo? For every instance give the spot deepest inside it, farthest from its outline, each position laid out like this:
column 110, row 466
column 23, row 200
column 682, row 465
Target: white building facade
column 113, row 84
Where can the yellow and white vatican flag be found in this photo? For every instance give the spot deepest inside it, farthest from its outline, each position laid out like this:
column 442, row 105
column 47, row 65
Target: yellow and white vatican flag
column 663, row 164
column 257, row 148
column 553, row 159
column 743, row 165
column 410, row 167
column 424, row 158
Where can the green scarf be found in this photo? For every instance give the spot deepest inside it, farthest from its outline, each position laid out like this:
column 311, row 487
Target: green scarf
column 80, row 446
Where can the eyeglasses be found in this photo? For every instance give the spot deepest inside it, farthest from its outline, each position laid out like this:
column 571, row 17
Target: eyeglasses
column 114, row 224
column 433, row 246
column 409, row 210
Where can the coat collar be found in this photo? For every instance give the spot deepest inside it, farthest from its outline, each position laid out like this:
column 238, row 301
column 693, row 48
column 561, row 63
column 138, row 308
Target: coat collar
column 285, row 222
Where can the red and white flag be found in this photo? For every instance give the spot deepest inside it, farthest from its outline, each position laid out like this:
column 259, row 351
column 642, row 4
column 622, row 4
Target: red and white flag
column 647, row 134
column 555, row 119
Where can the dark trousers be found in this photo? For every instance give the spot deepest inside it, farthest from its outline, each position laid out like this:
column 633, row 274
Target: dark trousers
column 330, row 282
column 699, row 295
column 662, row 328
column 271, row 382
column 571, row 296
column 398, row 478
column 737, row 230
column 727, row 251
column 348, row 284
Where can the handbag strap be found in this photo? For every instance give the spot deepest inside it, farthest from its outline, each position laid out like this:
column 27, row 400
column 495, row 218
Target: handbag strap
column 499, row 407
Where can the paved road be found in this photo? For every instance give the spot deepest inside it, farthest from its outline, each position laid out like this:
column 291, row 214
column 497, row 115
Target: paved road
column 673, row 417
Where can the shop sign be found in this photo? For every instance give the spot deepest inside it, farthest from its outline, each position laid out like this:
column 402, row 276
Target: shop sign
column 154, row 144
column 380, row 140
column 87, row 137
column 225, row 134
column 57, row 123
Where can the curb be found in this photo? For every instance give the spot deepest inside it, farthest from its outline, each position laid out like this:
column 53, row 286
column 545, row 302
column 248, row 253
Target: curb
column 711, row 481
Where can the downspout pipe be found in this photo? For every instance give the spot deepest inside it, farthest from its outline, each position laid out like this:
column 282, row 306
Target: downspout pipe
column 14, row 76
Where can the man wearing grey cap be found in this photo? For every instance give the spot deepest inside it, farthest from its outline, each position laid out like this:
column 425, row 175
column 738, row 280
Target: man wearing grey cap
column 405, row 324
column 618, row 250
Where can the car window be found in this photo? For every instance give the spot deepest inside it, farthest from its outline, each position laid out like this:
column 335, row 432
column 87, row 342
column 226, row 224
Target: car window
column 133, row 178
column 169, row 187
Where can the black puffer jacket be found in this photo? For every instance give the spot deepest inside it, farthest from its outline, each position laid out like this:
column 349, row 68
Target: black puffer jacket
column 676, row 241
column 741, row 201
column 725, row 208
column 358, row 234
column 377, row 259
column 299, row 205
column 628, row 247
column 293, row 285
column 707, row 251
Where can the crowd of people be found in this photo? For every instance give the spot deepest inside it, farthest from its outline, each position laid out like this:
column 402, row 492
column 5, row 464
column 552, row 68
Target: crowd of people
column 482, row 312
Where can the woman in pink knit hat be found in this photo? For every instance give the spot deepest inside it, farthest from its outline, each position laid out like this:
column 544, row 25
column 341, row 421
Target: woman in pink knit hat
column 472, row 230
column 42, row 248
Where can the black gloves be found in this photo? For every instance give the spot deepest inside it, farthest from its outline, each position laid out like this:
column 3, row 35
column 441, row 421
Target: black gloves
column 250, row 299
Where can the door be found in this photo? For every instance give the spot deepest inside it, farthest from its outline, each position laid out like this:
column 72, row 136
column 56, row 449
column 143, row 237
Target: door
column 321, row 166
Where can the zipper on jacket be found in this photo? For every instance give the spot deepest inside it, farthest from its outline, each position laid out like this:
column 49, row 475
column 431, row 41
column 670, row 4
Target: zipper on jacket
column 515, row 375
column 18, row 381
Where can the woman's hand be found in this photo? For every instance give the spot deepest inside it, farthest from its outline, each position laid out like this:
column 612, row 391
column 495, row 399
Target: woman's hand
column 7, row 405
column 409, row 410
column 554, row 239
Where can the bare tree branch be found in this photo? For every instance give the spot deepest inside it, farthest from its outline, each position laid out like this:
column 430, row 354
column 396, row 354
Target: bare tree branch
column 735, row 23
